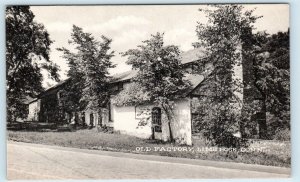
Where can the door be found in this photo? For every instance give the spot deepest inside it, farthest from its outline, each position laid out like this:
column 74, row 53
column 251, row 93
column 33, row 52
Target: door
column 156, row 123
column 91, row 119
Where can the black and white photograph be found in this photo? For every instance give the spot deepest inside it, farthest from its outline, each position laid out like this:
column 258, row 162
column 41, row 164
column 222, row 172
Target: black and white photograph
column 169, row 91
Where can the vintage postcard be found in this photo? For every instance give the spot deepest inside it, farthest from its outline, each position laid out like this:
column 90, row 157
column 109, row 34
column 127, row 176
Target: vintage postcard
column 199, row 91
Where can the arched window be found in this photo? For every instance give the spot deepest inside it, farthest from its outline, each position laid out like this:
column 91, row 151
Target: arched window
column 156, row 116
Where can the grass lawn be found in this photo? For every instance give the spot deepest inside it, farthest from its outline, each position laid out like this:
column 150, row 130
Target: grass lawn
column 259, row 152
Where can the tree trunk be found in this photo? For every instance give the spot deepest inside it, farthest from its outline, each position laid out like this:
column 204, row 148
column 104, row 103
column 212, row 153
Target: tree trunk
column 152, row 134
column 171, row 133
column 261, row 115
column 167, row 108
column 261, row 119
column 100, row 118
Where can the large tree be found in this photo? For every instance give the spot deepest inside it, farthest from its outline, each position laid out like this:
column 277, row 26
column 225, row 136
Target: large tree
column 222, row 38
column 27, row 53
column 272, row 78
column 88, row 73
column 160, row 75
column 266, row 70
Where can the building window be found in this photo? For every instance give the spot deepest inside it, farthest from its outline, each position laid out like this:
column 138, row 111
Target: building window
column 91, row 119
column 100, row 119
column 83, row 118
column 59, row 94
column 109, row 112
column 117, row 86
column 156, row 119
column 76, row 118
column 120, row 86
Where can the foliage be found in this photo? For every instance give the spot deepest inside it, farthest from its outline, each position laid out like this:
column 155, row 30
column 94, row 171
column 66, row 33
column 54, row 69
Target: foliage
column 133, row 94
column 273, row 78
column 159, row 69
column 270, row 72
column 160, row 73
column 222, row 39
column 282, row 134
column 88, row 87
column 249, row 121
column 27, row 53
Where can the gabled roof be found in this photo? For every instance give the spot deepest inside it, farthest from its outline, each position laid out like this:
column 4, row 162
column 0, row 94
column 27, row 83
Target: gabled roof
column 124, row 76
column 186, row 57
column 58, row 84
column 195, row 80
column 192, row 55
column 133, row 94
column 27, row 100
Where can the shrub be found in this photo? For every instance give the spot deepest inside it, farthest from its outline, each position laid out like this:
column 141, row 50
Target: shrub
column 282, row 134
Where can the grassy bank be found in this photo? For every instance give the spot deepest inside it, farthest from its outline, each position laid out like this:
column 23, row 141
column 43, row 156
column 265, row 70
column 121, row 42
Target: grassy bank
column 259, row 152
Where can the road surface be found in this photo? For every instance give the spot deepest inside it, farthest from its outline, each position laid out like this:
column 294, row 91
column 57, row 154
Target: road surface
column 33, row 161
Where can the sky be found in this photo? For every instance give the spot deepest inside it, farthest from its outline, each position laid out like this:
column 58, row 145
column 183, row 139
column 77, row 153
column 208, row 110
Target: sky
column 129, row 25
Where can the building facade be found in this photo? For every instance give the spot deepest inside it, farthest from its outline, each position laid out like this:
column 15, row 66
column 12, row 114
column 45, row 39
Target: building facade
column 144, row 121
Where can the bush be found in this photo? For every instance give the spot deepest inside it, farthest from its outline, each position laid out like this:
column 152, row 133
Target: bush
column 226, row 139
column 14, row 126
column 282, row 135
column 31, row 126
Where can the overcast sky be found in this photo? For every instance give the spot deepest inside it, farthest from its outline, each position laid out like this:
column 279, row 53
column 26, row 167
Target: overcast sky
column 129, row 25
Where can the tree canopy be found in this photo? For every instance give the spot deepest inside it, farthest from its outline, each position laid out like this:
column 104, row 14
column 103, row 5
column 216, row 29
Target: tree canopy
column 229, row 41
column 159, row 68
column 272, row 78
column 222, row 39
column 88, row 73
column 160, row 73
column 27, row 53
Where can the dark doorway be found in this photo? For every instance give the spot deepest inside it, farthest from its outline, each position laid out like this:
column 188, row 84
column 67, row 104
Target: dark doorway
column 83, row 118
column 92, row 119
column 100, row 119
column 76, row 118
column 156, row 119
